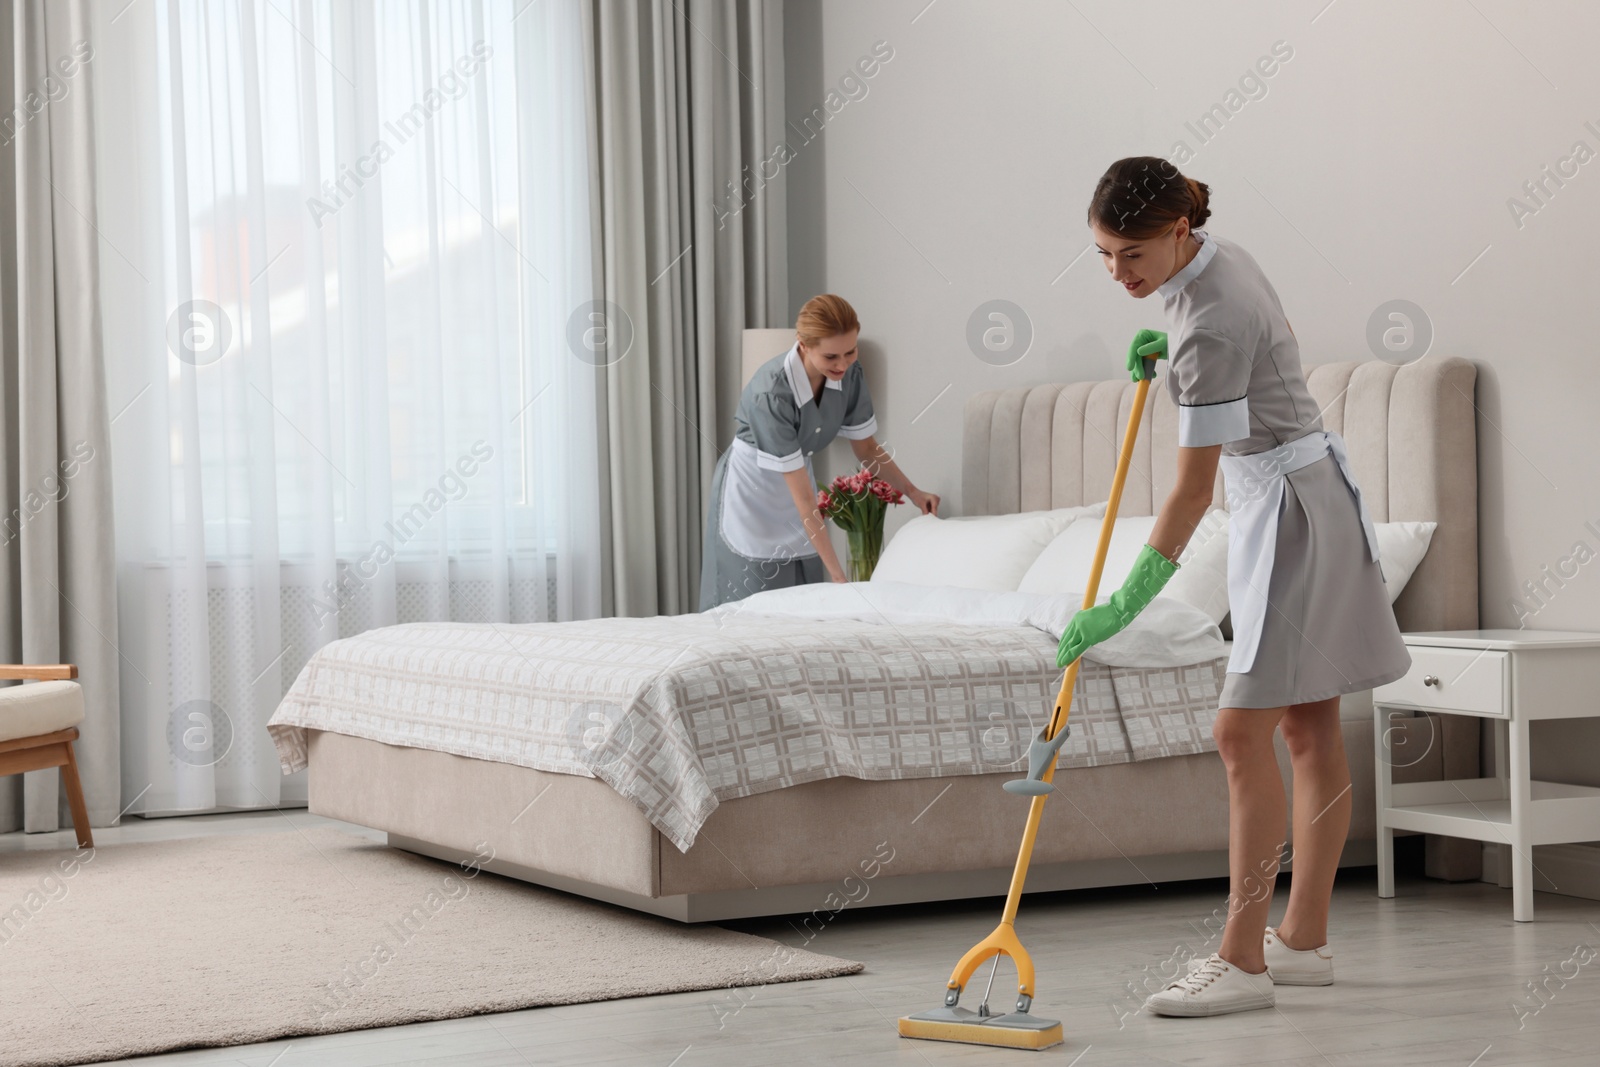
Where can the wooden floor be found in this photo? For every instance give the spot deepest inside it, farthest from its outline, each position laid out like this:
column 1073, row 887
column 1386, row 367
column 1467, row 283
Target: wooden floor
column 1429, row 977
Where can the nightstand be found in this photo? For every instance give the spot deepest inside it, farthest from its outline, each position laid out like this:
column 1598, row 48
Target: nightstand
column 1512, row 677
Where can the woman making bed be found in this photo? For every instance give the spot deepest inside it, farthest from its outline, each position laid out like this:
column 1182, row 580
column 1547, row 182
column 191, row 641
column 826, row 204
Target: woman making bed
column 763, row 529
column 1311, row 619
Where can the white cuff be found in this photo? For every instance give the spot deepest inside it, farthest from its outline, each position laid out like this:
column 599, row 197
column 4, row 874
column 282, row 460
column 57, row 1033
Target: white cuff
column 783, row 464
column 861, row 432
column 1213, row 424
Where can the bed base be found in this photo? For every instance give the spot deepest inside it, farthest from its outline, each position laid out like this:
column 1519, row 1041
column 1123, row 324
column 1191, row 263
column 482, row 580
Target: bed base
column 827, row 844
column 887, row 890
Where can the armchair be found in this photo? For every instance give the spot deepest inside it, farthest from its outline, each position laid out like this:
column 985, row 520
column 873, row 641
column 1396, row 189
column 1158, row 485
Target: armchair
column 38, row 723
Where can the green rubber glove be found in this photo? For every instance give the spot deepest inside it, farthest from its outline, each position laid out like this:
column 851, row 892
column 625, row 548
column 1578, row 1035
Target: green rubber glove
column 1147, row 344
column 1094, row 625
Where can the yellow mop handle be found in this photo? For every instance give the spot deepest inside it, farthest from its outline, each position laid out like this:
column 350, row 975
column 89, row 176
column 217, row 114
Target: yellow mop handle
column 1004, row 939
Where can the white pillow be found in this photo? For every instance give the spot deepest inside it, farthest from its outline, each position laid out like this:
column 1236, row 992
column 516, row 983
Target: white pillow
column 1063, row 567
column 1202, row 577
column 1401, row 546
column 976, row 552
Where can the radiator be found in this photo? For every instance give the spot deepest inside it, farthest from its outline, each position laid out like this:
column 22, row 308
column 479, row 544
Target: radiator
column 246, row 681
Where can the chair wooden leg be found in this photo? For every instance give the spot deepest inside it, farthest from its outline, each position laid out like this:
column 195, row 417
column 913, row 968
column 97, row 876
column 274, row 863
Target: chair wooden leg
column 80, row 811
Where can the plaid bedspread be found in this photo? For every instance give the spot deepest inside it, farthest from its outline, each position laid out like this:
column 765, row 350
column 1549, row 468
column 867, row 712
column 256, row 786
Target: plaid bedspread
column 680, row 713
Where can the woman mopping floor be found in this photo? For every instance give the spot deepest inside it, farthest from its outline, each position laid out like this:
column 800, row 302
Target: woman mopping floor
column 1311, row 618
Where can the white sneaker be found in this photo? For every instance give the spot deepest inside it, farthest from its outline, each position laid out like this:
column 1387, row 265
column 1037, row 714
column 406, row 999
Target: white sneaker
column 1290, row 966
column 1213, row 987
column 1296, row 966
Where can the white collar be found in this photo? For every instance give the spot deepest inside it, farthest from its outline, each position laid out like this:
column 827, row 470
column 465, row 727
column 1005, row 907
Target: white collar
column 799, row 384
column 1192, row 269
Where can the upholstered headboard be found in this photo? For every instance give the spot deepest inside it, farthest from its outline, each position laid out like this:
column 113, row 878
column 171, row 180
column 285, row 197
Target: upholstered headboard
column 1411, row 432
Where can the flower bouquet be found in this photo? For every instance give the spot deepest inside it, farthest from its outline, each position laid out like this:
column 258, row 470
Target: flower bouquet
column 856, row 503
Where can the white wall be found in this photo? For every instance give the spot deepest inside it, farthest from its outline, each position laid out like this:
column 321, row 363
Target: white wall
column 1377, row 166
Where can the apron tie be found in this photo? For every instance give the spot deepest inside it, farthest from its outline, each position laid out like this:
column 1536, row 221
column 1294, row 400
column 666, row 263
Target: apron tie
column 1341, row 456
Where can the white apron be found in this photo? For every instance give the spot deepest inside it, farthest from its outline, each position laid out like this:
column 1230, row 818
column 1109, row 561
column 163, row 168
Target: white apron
column 1255, row 499
column 759, row 520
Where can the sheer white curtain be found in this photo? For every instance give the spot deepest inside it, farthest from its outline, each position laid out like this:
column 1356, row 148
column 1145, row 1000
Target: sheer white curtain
column 345, row 349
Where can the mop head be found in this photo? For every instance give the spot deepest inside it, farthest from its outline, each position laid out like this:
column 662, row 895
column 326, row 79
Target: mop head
column 1017, row 1030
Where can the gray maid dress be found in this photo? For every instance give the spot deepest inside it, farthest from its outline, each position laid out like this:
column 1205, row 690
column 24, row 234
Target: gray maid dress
column 1311, row 615
column 755, row 539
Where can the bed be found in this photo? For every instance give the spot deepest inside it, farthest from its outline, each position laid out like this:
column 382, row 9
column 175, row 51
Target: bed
column 822, row 821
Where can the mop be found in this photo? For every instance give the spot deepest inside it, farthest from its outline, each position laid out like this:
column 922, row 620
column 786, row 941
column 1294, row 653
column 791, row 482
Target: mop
column 1020, row 1028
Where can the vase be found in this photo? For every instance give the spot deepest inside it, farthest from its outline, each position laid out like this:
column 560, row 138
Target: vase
column 865, row 548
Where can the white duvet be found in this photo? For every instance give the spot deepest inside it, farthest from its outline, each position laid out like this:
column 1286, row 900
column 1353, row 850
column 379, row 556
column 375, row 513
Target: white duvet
column 1168, row 633
column 680, row 713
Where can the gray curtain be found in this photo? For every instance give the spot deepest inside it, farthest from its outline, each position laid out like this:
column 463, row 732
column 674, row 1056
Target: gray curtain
column 688, row 218
column 57, row 575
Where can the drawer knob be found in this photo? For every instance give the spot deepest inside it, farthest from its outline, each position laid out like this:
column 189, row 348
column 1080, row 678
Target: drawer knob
column 1430, row 679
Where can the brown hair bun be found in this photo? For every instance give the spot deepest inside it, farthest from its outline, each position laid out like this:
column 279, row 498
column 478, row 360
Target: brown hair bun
column 1200, row 193
column 1142, row 196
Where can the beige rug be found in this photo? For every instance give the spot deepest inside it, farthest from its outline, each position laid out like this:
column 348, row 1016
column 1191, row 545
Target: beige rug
column 228, row 940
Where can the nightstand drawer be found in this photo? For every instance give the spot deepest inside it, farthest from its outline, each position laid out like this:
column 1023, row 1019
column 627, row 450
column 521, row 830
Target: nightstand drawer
column 1452, row 679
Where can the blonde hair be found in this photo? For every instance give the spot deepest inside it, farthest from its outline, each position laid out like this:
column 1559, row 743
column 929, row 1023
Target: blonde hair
column 825, row 316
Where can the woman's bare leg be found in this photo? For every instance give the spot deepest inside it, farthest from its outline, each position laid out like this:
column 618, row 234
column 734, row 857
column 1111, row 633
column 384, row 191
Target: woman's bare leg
column 1256, row 823
column 1321, row 818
